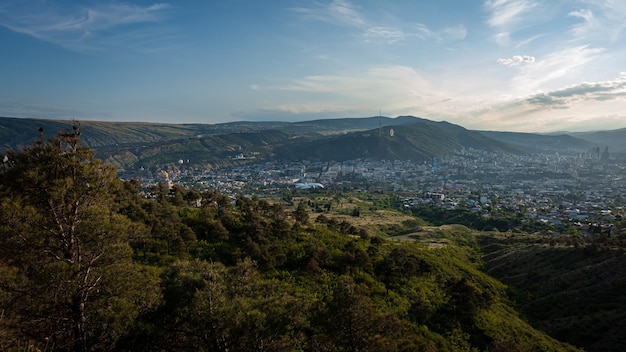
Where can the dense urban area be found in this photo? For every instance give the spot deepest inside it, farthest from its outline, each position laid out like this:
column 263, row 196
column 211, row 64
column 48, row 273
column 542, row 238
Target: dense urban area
column 579, row 191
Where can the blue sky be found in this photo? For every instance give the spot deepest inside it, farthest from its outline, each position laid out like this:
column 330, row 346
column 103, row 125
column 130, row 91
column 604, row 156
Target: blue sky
column 507, row 65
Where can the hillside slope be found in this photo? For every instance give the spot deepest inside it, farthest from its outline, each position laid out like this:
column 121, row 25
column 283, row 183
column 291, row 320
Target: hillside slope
column 135, row 144
column 419, row 141
column 15, row 132
column 572, row 288
column 614, row 139
column 542, row 142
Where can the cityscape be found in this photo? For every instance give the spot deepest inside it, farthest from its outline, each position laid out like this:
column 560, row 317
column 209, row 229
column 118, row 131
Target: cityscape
column 586, row 190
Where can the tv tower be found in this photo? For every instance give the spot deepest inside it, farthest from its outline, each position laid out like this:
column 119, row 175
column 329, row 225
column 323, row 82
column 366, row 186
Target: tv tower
column 380, row 123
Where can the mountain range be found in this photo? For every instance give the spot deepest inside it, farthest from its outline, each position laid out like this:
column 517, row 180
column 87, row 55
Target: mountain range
column 134, row 144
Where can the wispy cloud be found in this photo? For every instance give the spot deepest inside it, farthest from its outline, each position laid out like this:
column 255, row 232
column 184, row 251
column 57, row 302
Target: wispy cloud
column 588, row 21
column 554, row 68
column 76, row 27
column 389, row 35
column 403, row 90
column 394, row 86
column 516, row 60
column 345, row 14
column 373, row 81
column 593, row 20
column 447, row 33
column 527, row 41
column 506, row 13
column 505, row 16
column 337, row 12
column 601, row 20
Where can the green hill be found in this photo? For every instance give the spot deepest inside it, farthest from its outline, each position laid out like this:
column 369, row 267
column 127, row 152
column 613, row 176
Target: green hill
column 573, row 288
column 419, row 141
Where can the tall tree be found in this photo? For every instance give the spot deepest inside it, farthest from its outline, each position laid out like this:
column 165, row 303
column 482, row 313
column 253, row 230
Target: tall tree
column 72, row 279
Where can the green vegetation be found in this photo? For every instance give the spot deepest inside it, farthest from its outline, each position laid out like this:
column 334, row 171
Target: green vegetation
column 66, row 263
column 91, row 263
column 500, row 220
column 572, row 287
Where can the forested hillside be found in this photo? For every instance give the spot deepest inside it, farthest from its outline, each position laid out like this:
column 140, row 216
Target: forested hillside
column 571, row 287
column 91, row 263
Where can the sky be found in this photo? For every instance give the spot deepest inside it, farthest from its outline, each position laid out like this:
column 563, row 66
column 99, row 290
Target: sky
column 500, row 65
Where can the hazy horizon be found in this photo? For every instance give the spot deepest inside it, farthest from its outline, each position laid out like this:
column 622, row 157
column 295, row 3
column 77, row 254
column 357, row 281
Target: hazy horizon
column 297, row 121
column 498, row 65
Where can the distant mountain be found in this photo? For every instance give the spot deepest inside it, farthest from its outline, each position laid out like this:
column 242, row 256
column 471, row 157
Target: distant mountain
column 614, row 139
column 543, row 142
column 135, row 144
column 16, row 132
column 419, row 141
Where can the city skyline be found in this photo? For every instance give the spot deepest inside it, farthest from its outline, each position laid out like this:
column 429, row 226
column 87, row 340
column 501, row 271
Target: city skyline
column 507, row 65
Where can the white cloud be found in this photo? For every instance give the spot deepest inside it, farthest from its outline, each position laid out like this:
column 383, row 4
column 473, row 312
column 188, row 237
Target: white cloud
column 506, row 16
column 74, row 26
column 516, row 60
column 588, row 24
column 585, row 91
column 389, row 35
column 338, row 12
column 448, row 33
column 504, row 13
column 603, row 20
column 470, row 102
column 518, row 116
column 553, row 70
column 343, row 13
column 574, row 107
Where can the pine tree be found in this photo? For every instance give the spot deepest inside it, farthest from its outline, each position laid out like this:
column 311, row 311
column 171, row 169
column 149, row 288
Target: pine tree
column 72, row 281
